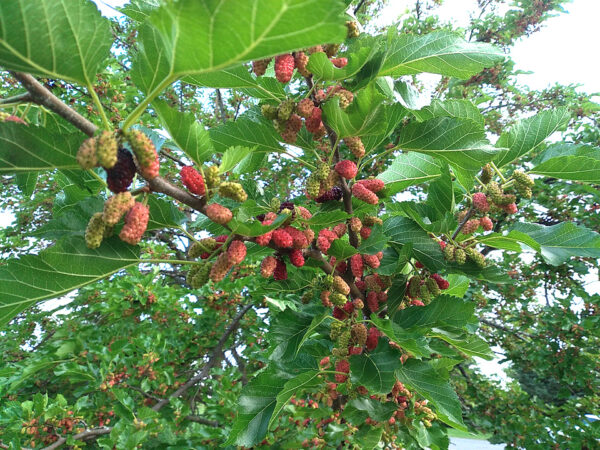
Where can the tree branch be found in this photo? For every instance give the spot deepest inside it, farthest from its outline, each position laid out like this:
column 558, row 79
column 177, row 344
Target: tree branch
column 462, row 224
column 21, row 98
column 203, row 421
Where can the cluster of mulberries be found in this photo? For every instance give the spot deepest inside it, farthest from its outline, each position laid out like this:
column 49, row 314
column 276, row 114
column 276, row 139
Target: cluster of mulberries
column 458, row 254
column 97, row 151
column 365, row 190
column 288, row 118
column 420, row 290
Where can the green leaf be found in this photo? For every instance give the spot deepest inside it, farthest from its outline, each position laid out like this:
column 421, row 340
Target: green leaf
column 393, row 116
column 358, row 53
column 425, row 380
column 402, row 231
column 510, row 241
column 567, row 149
column 368, row 437
column 439, row 52
column 444, row 310
column 306, row 380
column 574, row 168
column 247, row 131
column 58, row 270
column 389, row 262
column 32, row 149
column 164, row 214
column 411, row 341
column 65, row 39
column 398, row 289
column 409, row 169
column 189, row 135
column 139, row 10
column 232, row 157
column 459, row 142
column 27, row 182
column 341, row 250
column 458, row 109
column 440, row 195
column 358, row 409
column 189, row 37
column 327, row 218
column 289, row 330
column 528, row 134
column 560, row 242
column 467, row 343
column 316, row 322
column 256, row 405
column 375, row 243
column 375, row 370
column 365, row 116
column 459, row 284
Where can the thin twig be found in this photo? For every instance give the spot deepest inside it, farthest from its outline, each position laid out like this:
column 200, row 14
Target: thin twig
column 21, row 98
column 462, row 224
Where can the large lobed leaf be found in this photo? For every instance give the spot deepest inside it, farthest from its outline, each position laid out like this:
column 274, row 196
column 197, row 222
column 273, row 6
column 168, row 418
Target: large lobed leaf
column 66, row 39
column 408, row 169
column 191, row 37
column 57, row 271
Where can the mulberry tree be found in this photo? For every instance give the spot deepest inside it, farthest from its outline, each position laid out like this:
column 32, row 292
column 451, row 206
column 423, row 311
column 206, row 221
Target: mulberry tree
column 293, row 267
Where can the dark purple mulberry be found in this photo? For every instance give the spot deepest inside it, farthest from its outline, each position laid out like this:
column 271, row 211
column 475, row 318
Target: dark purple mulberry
column 121, row 175
column 335, row 193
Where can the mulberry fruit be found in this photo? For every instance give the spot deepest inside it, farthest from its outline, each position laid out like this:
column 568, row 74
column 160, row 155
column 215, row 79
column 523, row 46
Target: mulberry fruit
column 106, row 149
column 297, row 258
column 304, row 213
column 323, row 171
column 339, row 62
column 94, row 231
column 365, row 232
column 340, row 229
column 331, row 49
column 372, row 184
column 120, row 176
column 510, row 208
column 442, row 284
column 356, row 266
column 86, row 155
column 220, row 268
column 145, row 153
column 487, row 174
column 280, row 272
column 355, row 224
column 340, row 285
column 356, row 146
column 359, row 333
column 259, row 67
column 236, row 252
column 342, row 366
column 136, row 222
column 347, row 169
column 192, row 180
column 325, row 299
column 299, row 240
column 267, row 266
column 486, row 223
column 372, row 301
column 301, row 61
column 212, row 177
column 201, row 275
column 476, row 257
column 353, row 30
column 522, row 178
column 470, row 226
column 218, row 214
column 234, row 191
column 116, row 206
column 364, row 194
column 345, row 97
column 338, row 299
column 284, row 68
column 334, row 194
column 282, row 238
column 372, row 261
column 305, row 108
column 433, row 287
column 314, row 122
column 480, row 202
column 449, row 253
column 414, row 286
column 372, row 338
column 460, row 255
column 205, row 245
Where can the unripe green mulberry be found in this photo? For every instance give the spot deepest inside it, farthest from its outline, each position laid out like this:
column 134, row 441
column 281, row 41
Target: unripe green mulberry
column 328, row 281
column 313, row 186
column 116, row 206
column 487, row 173
column 336, row 330
column 495, row 192
column 414, row 286
column 460, row 255
column 359, row 333
column 106, row 149
column 323, row 170
column 233, row 190
column 192, row 273
column 275, row 204
column 201, row 277
column 338, row 299
column 269, row 111
column 145, row 153
column 212, row 177
column 340, row 352
column 331, row 49
column 476, row 257
column 433, row 287
column 524, row 191
column 522, row 178
column 95, row 231
column 424, row 294
column 205, row 245
column 449, row 254
column 353, row 30
column 371, row 221
column 344, row 339
column 285, row 110
column 86, row 155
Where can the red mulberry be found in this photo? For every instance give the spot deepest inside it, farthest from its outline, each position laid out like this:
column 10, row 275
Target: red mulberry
column 372, row 184
column 192, row 180
column 280, row 272
column 486, row 223
column 480, row 202
column 282, row 238
column 365, row 232
column 339, row 62
column 442, row 283
column 356, row 146
column 218, row 214
column 342, row 366
column 335, row 193
column 314, row 122
column 301, row 60
column 305, row 108
column 260, row 66
column 116, row 206
column 347, row 169
column 236, row 252
column 297, row 258
column 220, row 268
column 284, row 68
column 357, row 266
column 372, row 261
column 364, row 194
column 267, row 266
column 372, row 301
column 373, row 338
column 470, row 226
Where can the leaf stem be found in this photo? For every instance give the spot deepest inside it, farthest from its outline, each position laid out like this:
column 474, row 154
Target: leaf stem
column 139, row 110
column 497, row 171
column 99, row 107
column 97, row 177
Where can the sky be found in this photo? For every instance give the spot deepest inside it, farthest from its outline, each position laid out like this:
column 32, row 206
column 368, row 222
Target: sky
column 570, row 36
